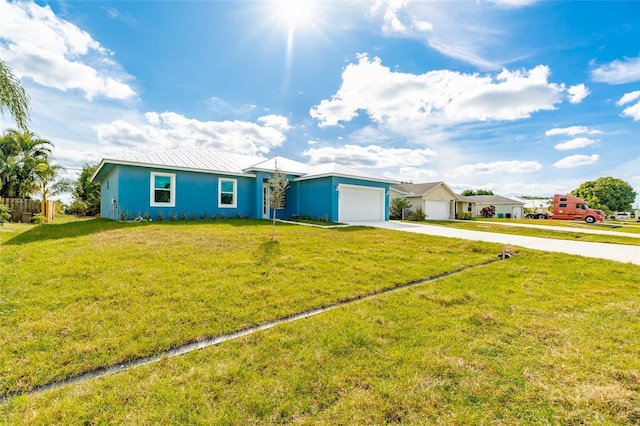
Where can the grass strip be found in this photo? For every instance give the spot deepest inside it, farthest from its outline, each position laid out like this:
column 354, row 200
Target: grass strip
column 543, row 338
column 216, row 340
column 80, row 296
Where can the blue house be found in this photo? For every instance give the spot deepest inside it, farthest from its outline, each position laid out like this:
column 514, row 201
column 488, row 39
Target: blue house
column 199, row 183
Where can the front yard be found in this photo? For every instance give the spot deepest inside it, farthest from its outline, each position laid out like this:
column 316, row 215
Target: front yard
column 538, row 338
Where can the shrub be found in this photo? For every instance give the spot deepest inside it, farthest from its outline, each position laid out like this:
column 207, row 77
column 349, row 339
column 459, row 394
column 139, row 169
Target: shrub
column 37, row 219
column 464, row 216
column 396, row 207
column 78, row 208
column 417, row 215
column 4, row 213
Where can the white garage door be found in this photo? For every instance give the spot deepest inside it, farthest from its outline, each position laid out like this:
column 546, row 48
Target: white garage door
column 436, row 210
column 360, row 203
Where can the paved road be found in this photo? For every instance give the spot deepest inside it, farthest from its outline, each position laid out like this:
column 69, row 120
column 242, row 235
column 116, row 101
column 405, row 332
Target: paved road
column 618, row 252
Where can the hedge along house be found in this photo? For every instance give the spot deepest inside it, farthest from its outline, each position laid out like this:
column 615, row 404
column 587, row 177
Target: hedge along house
column 199, row 183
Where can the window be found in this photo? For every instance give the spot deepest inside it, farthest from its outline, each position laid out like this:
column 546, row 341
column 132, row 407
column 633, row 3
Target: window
column 562, row 205
column 227, row 190
column 163, row 189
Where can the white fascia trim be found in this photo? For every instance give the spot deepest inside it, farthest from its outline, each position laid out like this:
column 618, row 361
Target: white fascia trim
column 171, row 168
column 381, row 180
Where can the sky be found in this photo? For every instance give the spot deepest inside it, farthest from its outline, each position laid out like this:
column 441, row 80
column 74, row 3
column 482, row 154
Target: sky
column 520, row 97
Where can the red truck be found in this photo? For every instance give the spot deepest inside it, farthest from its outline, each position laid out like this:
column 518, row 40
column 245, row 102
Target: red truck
column 566, row 207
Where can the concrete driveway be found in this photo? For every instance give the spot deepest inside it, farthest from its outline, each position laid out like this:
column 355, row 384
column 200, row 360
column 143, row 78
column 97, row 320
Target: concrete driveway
column 617, row 252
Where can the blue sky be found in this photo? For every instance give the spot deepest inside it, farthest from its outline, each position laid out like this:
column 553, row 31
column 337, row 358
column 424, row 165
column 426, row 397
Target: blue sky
column 520, row 97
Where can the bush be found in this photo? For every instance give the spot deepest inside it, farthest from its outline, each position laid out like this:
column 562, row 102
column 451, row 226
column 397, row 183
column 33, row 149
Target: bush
column 4, row 213
column 78, row 208
column 464, row 216
column 396, row 207
column 37, row 219
column 417, row 215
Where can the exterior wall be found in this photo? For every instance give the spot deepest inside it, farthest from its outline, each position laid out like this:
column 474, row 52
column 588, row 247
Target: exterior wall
column 416, row 202
column 316, row 198
column 439, row 193
column 108, row 194
column 502, row 209
column 195, row 193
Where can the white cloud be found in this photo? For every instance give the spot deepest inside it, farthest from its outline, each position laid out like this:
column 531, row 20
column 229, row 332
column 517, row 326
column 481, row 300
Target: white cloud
column 577, row 93
column 517, row 167
column 278, row 122
column 576, row 161
column 514, row 3
column 572, row 131
column 618, row 71
column 370, row 156
column 453, row 28
column 575, row 144
column 413, row 174
column 395, row 98
column 629, row 97
column 391, row 10
column 55, row 53
column 634, row 110
column 169, row 130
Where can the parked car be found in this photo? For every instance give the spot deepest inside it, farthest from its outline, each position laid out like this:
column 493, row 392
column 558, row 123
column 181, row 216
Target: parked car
column 623, row 215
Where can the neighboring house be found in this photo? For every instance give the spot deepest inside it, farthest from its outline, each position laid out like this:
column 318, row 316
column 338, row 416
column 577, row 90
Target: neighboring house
column 436, row 199
column 505, row 207
column 198, row 182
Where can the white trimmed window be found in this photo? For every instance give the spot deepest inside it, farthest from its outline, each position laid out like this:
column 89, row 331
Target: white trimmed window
column 163, row 189
column 227, row 193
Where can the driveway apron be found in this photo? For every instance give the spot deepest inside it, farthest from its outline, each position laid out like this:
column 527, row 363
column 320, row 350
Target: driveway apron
column 617, row 252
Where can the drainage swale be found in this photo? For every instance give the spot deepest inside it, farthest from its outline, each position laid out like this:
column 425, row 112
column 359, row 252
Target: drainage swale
column 216, row 340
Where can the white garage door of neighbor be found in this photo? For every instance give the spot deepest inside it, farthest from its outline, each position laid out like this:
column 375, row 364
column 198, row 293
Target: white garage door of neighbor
column 436, row 210
column 360, row 203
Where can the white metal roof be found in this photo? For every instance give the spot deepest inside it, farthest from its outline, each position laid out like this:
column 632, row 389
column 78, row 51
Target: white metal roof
column 195, row 159
column 214, row 161
column 334, row 169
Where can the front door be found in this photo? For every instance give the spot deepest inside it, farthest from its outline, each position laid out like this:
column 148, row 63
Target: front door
column 265, row 200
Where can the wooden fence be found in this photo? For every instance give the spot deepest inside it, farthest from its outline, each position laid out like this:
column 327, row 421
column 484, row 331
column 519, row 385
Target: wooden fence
column 22, row 209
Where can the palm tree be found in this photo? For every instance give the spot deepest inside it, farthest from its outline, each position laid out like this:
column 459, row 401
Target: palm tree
column 13, row 97
column 45, row 175
column 26, row 152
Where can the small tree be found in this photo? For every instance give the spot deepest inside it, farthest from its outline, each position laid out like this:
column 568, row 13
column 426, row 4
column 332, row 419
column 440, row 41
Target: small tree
column 397, row 206
column 278, row 184
column 87, row 191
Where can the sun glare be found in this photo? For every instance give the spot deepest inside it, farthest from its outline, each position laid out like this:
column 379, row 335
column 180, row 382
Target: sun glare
column 294, row 13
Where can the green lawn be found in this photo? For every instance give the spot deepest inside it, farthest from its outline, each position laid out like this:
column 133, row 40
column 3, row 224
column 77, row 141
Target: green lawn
column 540, row 338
